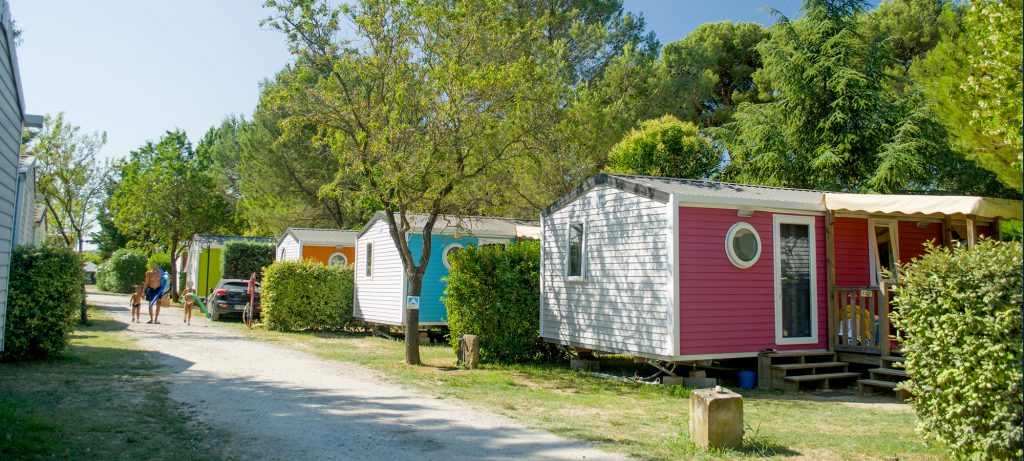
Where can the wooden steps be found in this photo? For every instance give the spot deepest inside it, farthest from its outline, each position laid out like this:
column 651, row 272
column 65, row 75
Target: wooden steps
column 886, row 377
column 794, row 370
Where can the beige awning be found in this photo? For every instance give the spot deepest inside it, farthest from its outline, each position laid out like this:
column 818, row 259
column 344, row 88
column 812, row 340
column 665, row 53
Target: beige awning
column 981, row 207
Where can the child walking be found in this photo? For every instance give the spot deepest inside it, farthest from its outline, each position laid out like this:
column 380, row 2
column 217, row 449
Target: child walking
column 189, row 301
column 136, row 303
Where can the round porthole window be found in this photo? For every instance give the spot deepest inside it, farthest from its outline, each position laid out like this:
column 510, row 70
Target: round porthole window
column 337, row 259
column 743, row 245
column 448, row 252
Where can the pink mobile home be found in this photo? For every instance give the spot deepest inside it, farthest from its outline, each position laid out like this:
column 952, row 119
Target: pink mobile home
column 680, row 270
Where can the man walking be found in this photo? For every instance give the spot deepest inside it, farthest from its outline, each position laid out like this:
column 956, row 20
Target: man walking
column 153, row 281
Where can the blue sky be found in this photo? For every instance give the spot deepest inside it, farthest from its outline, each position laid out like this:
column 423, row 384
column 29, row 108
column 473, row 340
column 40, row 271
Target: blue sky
column 138, row 68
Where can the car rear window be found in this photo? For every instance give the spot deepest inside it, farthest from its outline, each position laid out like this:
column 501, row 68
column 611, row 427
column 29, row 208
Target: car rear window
column 236, row 285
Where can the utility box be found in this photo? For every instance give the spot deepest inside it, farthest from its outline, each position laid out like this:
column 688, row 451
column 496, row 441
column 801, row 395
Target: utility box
column 716, row 418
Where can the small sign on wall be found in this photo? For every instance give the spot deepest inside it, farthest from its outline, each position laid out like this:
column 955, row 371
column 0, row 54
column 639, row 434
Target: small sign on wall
column 412, row 302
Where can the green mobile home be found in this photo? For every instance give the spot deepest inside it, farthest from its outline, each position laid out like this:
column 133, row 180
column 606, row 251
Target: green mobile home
column 203, row 266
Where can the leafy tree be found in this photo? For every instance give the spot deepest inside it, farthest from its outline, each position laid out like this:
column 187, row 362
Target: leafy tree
column 911, row 28
column 836, row 117
column 167, row 192
column 108, row 238
column 973, row 77
column 665, row 146
column 69, row 177
column 282, row 178
column 420, row 106
column 710, row 71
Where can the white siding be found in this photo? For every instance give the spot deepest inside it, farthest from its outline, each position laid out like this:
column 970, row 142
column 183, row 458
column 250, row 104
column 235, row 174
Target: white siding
column 623, row 304
column 11, row 116
column 288, row 249
column 379, row 298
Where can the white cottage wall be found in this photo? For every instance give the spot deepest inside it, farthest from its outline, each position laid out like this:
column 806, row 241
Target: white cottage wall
column 289, row 249
column 623, row 303
column 379, row 297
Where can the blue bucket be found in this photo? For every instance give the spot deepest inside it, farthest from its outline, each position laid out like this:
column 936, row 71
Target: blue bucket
column 748, row 379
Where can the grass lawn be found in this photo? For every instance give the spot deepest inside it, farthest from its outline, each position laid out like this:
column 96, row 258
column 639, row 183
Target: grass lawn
column 103, row 400
column 648, row 422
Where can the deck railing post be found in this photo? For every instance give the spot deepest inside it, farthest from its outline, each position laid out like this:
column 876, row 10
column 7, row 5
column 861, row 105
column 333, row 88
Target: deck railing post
column 883, row 318
column 830, row 269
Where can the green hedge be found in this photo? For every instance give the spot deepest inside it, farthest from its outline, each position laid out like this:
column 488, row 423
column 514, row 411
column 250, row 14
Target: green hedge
column 960, row 311
column 241, row 259
column 43, row 301
column 125, row 269
column 494, row 293
column 306, row 295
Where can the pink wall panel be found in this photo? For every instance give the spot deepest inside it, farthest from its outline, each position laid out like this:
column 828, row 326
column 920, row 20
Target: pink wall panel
column 912, row 238
column 724, row 309
column 852, row 260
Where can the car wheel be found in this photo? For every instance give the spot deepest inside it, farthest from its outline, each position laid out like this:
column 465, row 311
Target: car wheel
column 214, row 315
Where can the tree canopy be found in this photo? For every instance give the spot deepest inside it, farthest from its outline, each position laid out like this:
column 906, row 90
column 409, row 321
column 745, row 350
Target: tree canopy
column 665, row 146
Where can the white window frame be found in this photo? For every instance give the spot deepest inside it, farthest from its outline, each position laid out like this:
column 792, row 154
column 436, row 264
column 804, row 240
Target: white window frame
column 777, row 221
column 344, row 258
column 731, row 252
column 583, row 253
column 894, row 243
column 368, row 260
column 448, row 249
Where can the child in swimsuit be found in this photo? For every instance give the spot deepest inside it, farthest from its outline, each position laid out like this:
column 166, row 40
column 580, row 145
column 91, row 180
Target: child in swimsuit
column 136, row 303
column 188, row 302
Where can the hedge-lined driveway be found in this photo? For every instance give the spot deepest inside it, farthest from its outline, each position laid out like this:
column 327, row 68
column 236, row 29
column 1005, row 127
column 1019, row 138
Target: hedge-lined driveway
column 283, row 404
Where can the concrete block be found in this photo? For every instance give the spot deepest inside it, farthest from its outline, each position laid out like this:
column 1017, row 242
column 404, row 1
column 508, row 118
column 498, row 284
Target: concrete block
column 698, row 374
column 716, row 418
column 672, row 381
column 700, row 383
column 469, row 351
column 580, row 364
column 424, row 339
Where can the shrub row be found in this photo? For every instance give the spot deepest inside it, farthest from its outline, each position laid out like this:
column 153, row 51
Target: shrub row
column 960, row 311
column 306, row 295
column 494, row 293
column 119, row 274
column 242, row 259
column 43, row 299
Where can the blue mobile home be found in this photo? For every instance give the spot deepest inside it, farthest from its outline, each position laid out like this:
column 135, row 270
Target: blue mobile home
column 381, row 284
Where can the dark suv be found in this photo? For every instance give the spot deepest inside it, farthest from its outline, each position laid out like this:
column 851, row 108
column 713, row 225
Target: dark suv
column 230, row 297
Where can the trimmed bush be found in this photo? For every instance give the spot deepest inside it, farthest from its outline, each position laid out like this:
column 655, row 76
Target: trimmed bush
column 241, row 259
column 119, row 274
column 960, row 310
column 307, row 295
column 43, row 301
column 494, row 292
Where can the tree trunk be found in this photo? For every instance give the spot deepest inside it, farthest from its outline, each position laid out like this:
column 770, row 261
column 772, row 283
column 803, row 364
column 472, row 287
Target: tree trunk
column 84, row 317
column 412, row 319
column 174, row 270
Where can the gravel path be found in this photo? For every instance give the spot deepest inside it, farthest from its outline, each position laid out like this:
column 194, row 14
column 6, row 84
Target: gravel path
column 284, row 404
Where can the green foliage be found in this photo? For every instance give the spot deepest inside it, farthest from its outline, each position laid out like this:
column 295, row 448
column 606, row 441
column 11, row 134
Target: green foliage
column 122, row 271
column 307, row 295
column 69, row 176
column 960, row 311
column 839, row 112
column 241, row 259
column 974, row 78
column 1011, row 230
column 45, row 294
column 665, row 147
column 161, row 259
column 710, row 71
column 494, row 293
column 166, row 195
